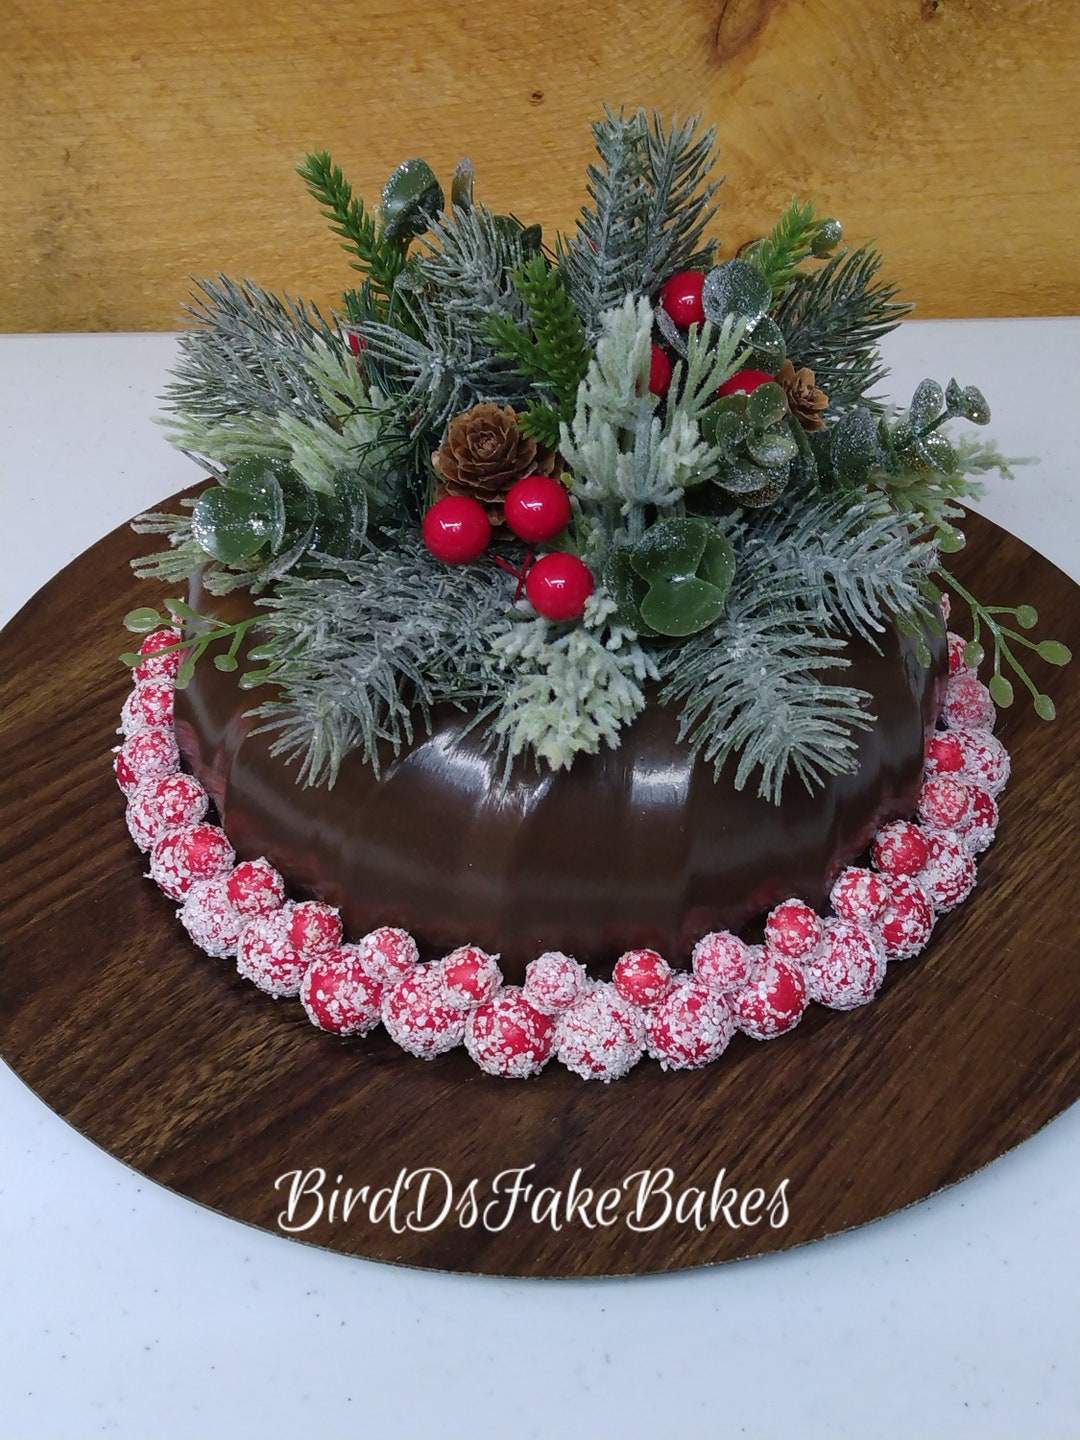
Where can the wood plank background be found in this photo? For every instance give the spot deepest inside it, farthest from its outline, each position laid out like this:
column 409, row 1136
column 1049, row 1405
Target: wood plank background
column 143, row 142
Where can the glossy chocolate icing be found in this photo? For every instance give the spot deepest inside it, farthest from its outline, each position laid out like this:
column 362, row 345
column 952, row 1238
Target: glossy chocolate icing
column 637, row 846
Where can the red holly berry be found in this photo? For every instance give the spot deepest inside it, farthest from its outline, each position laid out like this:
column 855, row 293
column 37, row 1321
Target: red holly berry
column 537, row 509
column 642, row 976
column 659, row 372
column 559, row 585
column 745, row 382
column 681, row 298
column 457, row 529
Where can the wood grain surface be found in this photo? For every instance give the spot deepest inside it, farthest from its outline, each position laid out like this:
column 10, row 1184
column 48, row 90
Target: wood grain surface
column 191, row 1076
column 141, row 143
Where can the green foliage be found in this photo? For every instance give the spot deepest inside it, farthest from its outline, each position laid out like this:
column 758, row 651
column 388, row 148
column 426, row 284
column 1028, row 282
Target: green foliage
column 202, row 632
column 674, row 581
column 797, row 236
column 651, row 201
column 379, row 252
column 552, row 353
column 757, row 444
column 833, row 319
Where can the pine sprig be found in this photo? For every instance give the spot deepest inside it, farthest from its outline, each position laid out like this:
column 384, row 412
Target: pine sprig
column 796, row 236
column 833, row 319
column 378, row 258
column 552, row 353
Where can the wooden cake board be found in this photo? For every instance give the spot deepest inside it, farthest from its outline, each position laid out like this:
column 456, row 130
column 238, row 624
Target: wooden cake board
column 191, row 1076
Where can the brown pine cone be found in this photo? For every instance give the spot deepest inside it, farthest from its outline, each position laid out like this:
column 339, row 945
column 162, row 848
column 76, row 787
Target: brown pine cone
column 805, row 400
column 484, row 453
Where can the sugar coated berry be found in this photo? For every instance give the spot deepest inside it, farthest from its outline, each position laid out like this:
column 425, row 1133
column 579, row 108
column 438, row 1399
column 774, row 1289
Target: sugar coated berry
column 907, row 920
column 558, row 586
column 256, row 888
column 388, row 953
column 457, row 529
column 985, row 761
column 968, row 704
column 745, row 382
column 660, row 372
column 858, row 895
column 189, row 853
column 600, row 1037
column 156, row 666
column 949, row 875
column 537, row 509
column 793, row 930
column 146, row 756
column 210, row 918
column 689, row 1027
column 266, row 956
column 148, row 706
column 507, row 1036
column 977, row 830
column 957, row 664
column 900, row 849
column 773, row 1002
column 163, row 804
column 553, row 981
column 723, row 962
column 681, row 297
column 945, row 802
column 642, row 976
column 944, row 753
column 848, row 969
column 314, row 928
column 339, row 995
column 471, row 976
column 418, row 1016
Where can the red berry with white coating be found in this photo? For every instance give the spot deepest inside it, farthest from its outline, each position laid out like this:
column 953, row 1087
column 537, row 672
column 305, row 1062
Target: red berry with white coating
column 508, row 1037
column 681, row 297
column 339, row 995
column 388, row 953
column 949, row 874
column 900, row 849
column 859, row 895
column 601, row 1036
column 690, row 1027
column 849, row 969
column 945, row 802
column 210, row 918
column 793, row 930
column 149, row 755
column 723, row 962
column 944, row 753
column 418, row 1016
column 471, row 976
column 266, row 956
column 537, row 509
column 773, row 1003
column 977, row 830
column 968, row 704
column 553, row 981
column 314, row 928
column 907, row 920
column 148, row 706
column 256, row 888
column 155, row 665
column 642, row 977
column 558, row 586
column 985, row 761
column 457, row 529
column 189, row 853
column 163, row 804
column 957, row 664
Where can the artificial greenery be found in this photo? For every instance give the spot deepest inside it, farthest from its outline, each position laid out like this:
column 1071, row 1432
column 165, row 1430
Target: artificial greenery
column 202, row 632
column 736, row 542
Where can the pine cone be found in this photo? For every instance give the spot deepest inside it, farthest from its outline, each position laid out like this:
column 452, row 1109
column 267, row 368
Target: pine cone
column 484, row 453
column 805, row 400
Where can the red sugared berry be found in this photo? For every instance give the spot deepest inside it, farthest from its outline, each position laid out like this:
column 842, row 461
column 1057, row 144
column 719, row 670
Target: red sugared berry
column 723, row 962
column 157, row 666
column 978, row 828
column 907, row 920
column 388, row 953
column 507, row 1036
column 148, row 755
column 900, row 849
column 793, row 930
column 660, row 371
column 210, row 918
column 553, row 981
column 690, row 1026
column 418, row 1016
column 949, row 874
column 984, row 760
column 537, row 509
column 600, row 1037
column 558, row 586
column 149, row 706
column 189, row 853
column 772, row 1003
column 957, row 664
column 849, row 968
column 859, row 895
column 642, row 976
column 745, row 382
column 681, row 297
column 944, row 753
column 339, row 995
column 256, row 888
column 314, row 928
column 163, row 804
column 266, row 957
column 945, row 802
column 968, row 704
column 471, row 976
column 457, row 529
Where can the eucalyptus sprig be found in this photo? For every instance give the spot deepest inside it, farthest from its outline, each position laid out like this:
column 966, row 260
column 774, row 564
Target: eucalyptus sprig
column 1004, row 638
column 209, row 631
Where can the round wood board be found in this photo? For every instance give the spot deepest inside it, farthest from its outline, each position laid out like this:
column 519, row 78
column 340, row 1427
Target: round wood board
column 194, row 1078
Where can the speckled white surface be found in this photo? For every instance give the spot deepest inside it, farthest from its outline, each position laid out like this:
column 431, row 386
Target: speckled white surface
column 133, row 1313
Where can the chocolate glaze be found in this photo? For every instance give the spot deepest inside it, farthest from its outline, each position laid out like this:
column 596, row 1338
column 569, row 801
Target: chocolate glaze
column 637, row 846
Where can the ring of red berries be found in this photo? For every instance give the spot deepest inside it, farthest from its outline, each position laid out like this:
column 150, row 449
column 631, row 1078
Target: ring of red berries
column 880, row 914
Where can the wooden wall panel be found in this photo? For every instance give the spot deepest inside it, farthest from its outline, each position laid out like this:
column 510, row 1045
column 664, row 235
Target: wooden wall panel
column 141, row 142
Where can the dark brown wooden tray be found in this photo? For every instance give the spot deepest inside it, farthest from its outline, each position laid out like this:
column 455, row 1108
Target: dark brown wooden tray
column 189, row 1075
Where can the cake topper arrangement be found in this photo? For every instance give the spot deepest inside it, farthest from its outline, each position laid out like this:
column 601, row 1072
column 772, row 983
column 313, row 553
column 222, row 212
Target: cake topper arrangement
column 549, row 481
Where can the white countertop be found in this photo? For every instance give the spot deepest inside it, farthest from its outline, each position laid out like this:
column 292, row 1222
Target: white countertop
column 134, row 1313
